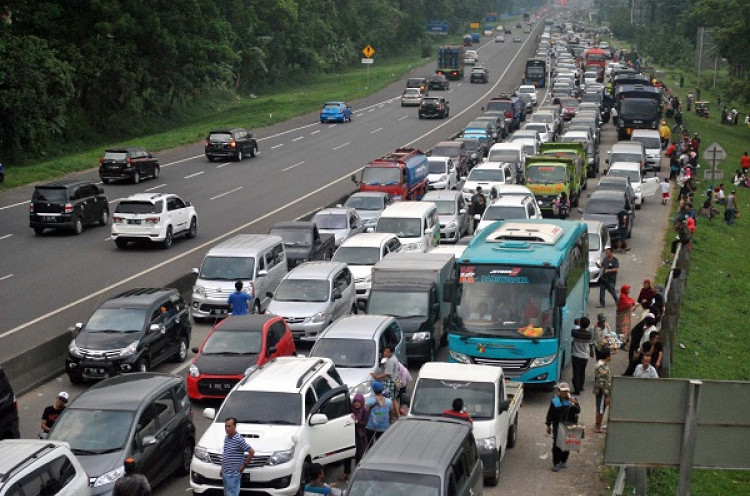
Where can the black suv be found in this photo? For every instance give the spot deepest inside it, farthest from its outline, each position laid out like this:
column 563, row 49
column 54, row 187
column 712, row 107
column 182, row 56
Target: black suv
column 132, row 164
column 8, row 410
column 439, row 82
column 479, row 74
column 144, row 416
column 433, row 107
column 67, row 205
column 134, row 331
column 230, row 144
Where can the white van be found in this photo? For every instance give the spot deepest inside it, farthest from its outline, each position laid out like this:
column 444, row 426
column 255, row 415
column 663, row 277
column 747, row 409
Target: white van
column 651, row 141
column 642, row 186
column 360, row 253
column 510, row 153
column 258, row 260
column 416, row 224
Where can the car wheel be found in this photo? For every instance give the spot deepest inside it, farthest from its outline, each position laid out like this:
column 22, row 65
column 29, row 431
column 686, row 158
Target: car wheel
column 136, row 176
column 186, row 457
column 182, row 350
column 105, row 181
column 168, row 239
column 75, row 378
column 141, row 366
column 121, row 243
column 513, row 433
column 253, row 151
column 157, row 171
column 104, row 217
column 355, row 309
column 78, row 226
column 38, row 231
column 421, row 116
column 239, row 156
column 210, row 158
column 495, row 477
column 193, row 231
column 258, row 308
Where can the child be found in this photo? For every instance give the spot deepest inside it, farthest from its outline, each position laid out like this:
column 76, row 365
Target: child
column 665, row 187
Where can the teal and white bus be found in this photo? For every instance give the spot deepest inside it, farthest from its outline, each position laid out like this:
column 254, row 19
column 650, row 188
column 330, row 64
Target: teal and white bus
column 520, row 286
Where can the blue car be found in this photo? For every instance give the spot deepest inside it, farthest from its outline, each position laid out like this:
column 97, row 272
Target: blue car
column 336, row 112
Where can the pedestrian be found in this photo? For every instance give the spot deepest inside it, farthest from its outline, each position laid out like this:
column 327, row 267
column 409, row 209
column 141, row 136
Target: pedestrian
column 238, row 301
column 380, row 409
column 677, row 120
column 478, row 205
column 604, row 337
column 657, row 307
column 665, row 187
column 602, row 388
column 747, row 120
column 636, row 335
column 645, row 370
column 735, row 115
column 647, row 293
column 683, row 238
column 610, row 266
column 665, row 133
column 388, row 374
column 131, row 483
column 458, row 411
column 695, row 143
column 745, row 163
column 723, row 114
column 623, row 224
column 562, row 409
column 235, row 458
column 721, row 197
column 625, row 306
column 654, row 349
column 682, row 81
column 731, row 211
column 50, row 414
column 317, row 485
column 561, row 205
column 360, row 415
column 581, row 349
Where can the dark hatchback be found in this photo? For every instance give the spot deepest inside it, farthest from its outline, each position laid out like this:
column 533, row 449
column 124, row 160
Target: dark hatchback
column 131, row 164
column 230, row 144
column 8, row 409
column 439, row 82
column 604, row 205
column 134, row 331
column 434, row 107
column 145, row 416
column 68, row 205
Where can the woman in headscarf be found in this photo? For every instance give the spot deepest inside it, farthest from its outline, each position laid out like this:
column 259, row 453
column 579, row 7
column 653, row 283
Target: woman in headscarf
column 624, row 308
column 646, row 296
column 361, row 415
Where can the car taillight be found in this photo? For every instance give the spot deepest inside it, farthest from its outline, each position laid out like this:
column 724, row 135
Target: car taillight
column 152, row 220
column 208, row 143
column 117, row 220
column 127, row 160
column 68, row 208
column 101, row 160
column 508, row 115
column 232, row 144
column 31, row 208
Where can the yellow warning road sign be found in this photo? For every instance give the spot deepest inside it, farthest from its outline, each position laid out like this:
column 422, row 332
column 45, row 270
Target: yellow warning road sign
column 368, row 51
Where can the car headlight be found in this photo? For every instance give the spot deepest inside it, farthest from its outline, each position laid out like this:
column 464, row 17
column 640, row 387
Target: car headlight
column 250, row 370
column 543, row 361
column 452, row 224
column 371, row 222
column 110, row 477
column 420, row 336
column 411, row 246
column 200, row 291
column 442, row 178
column 487, row 444
column 362, row 387
column 201, row 453
column 279, row 457
column 364, row 280
column 193, row 370
column 459, row 357
column 319, row 318
column 129, row 350
column 74, row 350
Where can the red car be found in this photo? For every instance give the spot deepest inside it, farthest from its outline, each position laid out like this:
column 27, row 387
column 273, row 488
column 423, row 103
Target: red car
column 234, row 345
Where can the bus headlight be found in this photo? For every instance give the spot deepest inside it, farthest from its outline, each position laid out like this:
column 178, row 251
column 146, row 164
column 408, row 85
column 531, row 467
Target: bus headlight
column 459, row 357
column 543, row 361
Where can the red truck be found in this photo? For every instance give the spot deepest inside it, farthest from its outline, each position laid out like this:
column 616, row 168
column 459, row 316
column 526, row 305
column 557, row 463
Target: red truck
column 401, row 173
column 596, row 59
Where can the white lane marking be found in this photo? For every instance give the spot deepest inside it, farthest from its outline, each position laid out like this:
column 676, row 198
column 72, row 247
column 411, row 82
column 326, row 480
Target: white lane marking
column 6, row 236
column 156, row 187
column 226, row 193
column 6, row 277
column 180, row 161
column 277, row 146
column 342, row 146
column 297, row 139
column 108, row 239
column 222, row 165
column 331, row 125
column 376, row 130
column 315, row 132
column 292, row 166
column 402, row 118
column 196, row 174
column 371, row 110
column 15, row 205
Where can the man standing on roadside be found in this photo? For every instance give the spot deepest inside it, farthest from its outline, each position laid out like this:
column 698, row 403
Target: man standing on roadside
column 131, row 484
column 581, row 349
column 607, row 283
column 562, row 409
column 50, row 414
column 478, row 205
column 234, row 461
column 602, row 387
column 623, row 219
column 239, row 300
column 731, row 211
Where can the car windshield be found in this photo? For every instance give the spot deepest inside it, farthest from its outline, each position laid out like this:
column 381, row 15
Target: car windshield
column 261, row 407
column 445, row 151
column 433, row 396
column 445, row 207
column 374, row 482
column 633, row 175
column 412, row 92
column 539, row 127
column 542, row 174
column 542, row 117
column 478, row 70
column 302, row 290
column 330, row 221
column 220, row 137
column 471, row 144
column 502, row 106
column 401, row 227
column 639, row 107
column 569, row 102
column 592, row 97
column 233, row 343
column 399, row 304
column 346, row 353
column 430, row 101
column 603, row 207
column 115, row 155
column 93, row 432
column 374, row 176
column 625, row 157
column 357, row 255
column 52, row 195
column 436, row 167
column 503, row 212
column 227, row 268
column 116, row 320
column 335, row 106
column 373, row 203
column 138, row 207
column 527, row 89
column 648, row 142
column 595, row 242
column 486, row 175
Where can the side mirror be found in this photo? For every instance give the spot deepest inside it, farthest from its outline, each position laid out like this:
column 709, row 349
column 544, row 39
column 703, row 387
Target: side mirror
column 429, row 230
column 270, row 351
column 353, row 177
column 339, row 205
column 336, row 294
column 462, row 211
column 148, row 441
column 262, row 273
column 195, row 271
column 209, row 413
column 194, row 349
column 477, row 217
column 318, row 419
column 188, row 204
column 79, row 326
column 580, row 210
column 154, row 328
column 503, row 406
column 101, row 190
column 370, row 229
column 269, row 294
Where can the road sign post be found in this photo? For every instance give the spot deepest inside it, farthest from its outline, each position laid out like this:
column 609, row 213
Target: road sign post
column 714, row 154
column 368, row 52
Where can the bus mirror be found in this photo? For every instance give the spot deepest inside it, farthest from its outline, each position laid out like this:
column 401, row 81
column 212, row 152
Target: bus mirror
column 448, row 291
column 560, row 295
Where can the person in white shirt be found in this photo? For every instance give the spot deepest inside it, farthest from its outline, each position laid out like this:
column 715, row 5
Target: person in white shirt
column 645, row 370
column 665, row 187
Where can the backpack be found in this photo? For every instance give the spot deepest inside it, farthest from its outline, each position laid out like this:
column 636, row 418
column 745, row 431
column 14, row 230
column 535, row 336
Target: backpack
column 404, row 376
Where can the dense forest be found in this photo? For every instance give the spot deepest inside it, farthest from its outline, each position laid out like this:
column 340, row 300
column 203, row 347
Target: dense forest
column 70, row 67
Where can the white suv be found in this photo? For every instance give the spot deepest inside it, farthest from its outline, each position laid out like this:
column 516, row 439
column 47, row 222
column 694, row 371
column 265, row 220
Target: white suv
column 292, row 411
column 156, row 217
column 40, row 467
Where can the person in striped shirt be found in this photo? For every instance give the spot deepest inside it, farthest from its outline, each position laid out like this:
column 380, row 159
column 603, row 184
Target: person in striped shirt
column 234, row 460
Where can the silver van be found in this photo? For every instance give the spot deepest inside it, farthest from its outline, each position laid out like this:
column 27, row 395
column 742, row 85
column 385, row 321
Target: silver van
column 312, row 296
column 258, row 260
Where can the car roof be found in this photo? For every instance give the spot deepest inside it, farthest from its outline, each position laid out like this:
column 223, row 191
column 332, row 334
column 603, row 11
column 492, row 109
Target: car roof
column 490, row 166
column 138, row 297
column 379, row 194
column 124, row 392
column 243, row 323
column 614, row 180
column 627, row 145
column 367, row 240
column 607, row 194
column 246, row 244
column 334, row 211
column 445, row 144
column 63, row 183
column 17, row 454
column 334, row 103
column 147, row 197
column 594, row 226
column 365, row 326
column 441, row 194
column 510, row 201
column 460, row 372
column 285, row 374
column 125, row 149
column 513, row 189
column 625, row 166
column 227, row 130
column 645, row 132
column 407, row 209
column 315, row 270
column 508, row 145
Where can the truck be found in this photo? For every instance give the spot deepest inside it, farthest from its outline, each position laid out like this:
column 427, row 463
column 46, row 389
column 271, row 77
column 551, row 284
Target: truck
column 476, row 37
column 491, row 401
column 303, row 242
column 401, row 173
column 450, row 62
column 573, row 150
column 548, row 176
column 409, row 287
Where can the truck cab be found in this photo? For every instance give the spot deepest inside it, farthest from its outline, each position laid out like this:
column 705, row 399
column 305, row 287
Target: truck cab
column 401, row 173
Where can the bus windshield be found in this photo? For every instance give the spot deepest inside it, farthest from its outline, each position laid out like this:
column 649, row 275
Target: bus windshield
column 503, row 301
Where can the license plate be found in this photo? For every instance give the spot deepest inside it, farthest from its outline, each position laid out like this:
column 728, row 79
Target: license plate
column 219, row 312
column 49, row 219
column 134, row 221
column 221, row 387
column 94, row 371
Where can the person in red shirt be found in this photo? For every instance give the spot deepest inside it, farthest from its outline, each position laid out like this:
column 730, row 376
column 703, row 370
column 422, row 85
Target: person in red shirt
column 745, row 163
column 457, row 411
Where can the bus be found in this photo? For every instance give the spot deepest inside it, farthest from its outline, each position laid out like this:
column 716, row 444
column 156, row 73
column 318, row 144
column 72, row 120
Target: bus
column 520, row 286
column 536, row 73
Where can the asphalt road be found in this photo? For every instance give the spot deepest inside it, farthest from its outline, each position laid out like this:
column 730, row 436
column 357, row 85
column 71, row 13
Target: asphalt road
column 269, row 193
